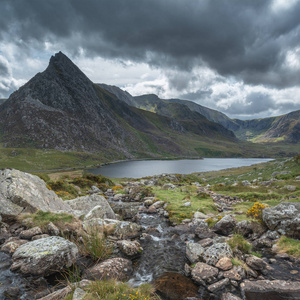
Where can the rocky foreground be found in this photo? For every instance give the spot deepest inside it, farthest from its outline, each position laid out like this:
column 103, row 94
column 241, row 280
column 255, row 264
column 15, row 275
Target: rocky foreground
column 213, row 266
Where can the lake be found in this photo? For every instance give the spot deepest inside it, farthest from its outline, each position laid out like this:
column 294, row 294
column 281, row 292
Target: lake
column 143, row 168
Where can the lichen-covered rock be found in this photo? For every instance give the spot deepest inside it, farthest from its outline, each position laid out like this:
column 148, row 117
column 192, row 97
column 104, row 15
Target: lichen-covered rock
column 202, row 230
column 86, row 203
column 215, row 252
column 116, row 268
column 12, row 244
column 232, row 274
column 204, row 272
column 229, row 296
column 217, row 286
column 29, row 233
column 52, row 229
column 44, row 256
column 244, row 228
column 225, row 226
column 23, row 192
column 130, row 248
column 194, row 252
column 100, row 212
column 284, row 218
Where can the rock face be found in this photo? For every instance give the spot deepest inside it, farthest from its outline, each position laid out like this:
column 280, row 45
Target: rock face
column 284, row 218
column 23, row 192
column 117, row 268
column 86, row 204
column 266, row 289
column 44, row 256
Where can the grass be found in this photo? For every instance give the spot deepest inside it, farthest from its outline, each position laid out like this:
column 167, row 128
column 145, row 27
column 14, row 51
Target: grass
column 238, row 242
column 42, row 219
column 112, row 290
column 177, row 197
column 289, row 246
column 95, row 245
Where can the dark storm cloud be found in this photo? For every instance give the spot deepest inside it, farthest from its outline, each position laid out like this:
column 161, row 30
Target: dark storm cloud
column 4, row 71
column 199, row 95
column 245, row 39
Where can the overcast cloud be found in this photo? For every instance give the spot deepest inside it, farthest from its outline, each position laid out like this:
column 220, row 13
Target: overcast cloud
column 240, row 57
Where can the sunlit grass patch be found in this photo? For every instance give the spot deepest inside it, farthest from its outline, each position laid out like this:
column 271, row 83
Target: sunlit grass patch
column 289, row 245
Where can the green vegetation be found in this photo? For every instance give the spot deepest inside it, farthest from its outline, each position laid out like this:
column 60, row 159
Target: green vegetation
column 95, row 245
column 177, row 197
column 238, row 242
column 112, row 290
column 42, row 219
column 290, row 246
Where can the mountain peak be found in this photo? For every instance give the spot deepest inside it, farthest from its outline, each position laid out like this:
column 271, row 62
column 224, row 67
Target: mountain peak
column 59, row 57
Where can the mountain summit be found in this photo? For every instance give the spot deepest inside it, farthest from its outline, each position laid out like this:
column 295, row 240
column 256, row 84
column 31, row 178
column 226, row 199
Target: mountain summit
column 61, row 108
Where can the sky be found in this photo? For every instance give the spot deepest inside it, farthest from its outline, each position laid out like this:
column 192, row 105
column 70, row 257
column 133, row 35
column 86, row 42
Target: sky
column 241, row 57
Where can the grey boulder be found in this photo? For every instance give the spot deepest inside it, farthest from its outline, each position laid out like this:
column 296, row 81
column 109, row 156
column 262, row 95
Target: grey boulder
column 22, row 192
column 44, row 256
column 225, row 226
column 284, row 218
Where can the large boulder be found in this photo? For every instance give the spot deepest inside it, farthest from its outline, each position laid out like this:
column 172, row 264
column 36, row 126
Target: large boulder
column 117, row 268
column 266, row 289
column 284, row 218
column 22, row 192
column 86, row 203
column 225, row 226
column 204, row 272
column 44, row 256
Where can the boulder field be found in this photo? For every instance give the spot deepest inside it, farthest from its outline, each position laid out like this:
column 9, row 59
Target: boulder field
column 212, row 268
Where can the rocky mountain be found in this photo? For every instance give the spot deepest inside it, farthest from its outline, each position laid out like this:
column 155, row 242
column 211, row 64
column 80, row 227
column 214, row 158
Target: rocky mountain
column 62, row 109
column 285, row 128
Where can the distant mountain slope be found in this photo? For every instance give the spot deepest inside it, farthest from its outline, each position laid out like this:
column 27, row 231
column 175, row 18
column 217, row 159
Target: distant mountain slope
column 62, row 109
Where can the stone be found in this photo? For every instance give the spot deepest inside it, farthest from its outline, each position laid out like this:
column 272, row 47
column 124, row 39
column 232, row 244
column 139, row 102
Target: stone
column 187, row 204
column 130, row 248
column 59, row 294
column 202, row 230
column 24, row 192
column 263, row 242
column 52, row 229
column 12, row 292
column 168, row 186
column 224, row 264
column 206, row 242
column 246, row 183
column 158, row 204
column 215, row 252
column 290, row 188
column 256, row 263
column 12, row 244
column 284, row 218
column 194, row 252
column 229, row 296
column 79, row 294
column 114, row 268
column 244, row 228
column 199, row 215
column 232, row 274
column 40, row 236
column 30, row 233
column 297, row 178
column 217, row 286
column 99, row 213
column 43, row 257
column 86, row 204
column 270, row 289
column 204, row 272
column 225, row 226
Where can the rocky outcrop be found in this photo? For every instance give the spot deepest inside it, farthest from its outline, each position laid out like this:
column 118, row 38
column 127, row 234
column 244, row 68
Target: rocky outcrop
column 215, row 252
column 225, row 226
column 284, row 218
column 93, row 206
column 116, row 268
column 266, row 289
column 44, row 256
column 22, row 192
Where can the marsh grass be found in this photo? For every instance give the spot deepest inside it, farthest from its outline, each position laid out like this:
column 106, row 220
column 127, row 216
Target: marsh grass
column 112, row 290
column 289, row 245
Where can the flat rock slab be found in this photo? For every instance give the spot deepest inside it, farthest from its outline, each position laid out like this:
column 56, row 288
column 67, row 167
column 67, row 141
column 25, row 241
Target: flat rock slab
column 44, row 256
column 266, row 289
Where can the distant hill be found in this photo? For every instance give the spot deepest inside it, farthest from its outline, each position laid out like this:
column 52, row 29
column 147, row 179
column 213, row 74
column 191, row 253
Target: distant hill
column 281, row 129
column 62, row 109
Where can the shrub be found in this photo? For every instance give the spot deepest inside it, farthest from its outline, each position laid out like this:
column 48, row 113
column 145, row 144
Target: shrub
column 237, row 242
column 256, row 211
column 117, row 187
